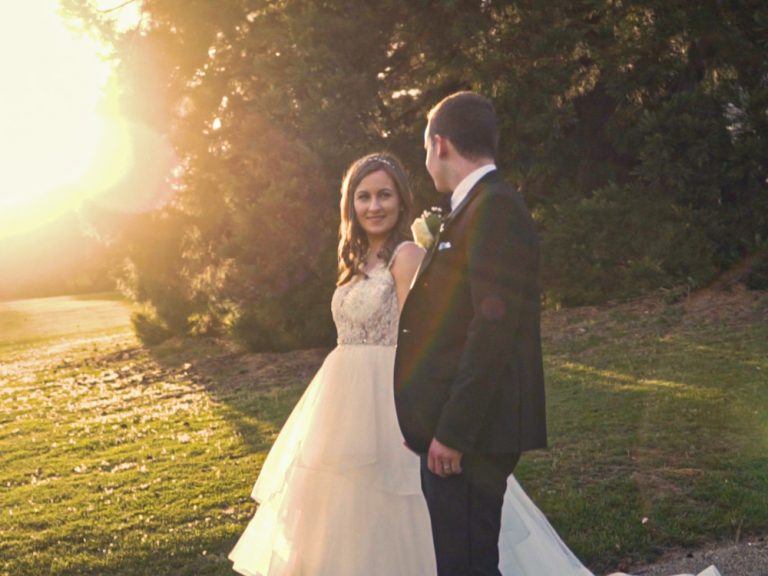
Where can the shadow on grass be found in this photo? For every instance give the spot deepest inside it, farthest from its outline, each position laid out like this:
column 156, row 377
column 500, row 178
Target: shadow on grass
column 256, row 391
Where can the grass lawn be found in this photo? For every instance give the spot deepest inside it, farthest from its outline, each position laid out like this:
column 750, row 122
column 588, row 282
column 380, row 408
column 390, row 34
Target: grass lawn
column 119, row 460
column 659, row 427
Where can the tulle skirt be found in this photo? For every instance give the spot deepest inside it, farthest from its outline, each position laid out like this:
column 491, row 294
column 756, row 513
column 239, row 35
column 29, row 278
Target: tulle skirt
column 340, row 495
column 528, row 544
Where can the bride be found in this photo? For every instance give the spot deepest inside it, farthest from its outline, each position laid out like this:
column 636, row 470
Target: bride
column 339, row 493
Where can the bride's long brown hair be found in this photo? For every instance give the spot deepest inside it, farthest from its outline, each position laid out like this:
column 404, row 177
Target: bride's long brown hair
column 353, row 241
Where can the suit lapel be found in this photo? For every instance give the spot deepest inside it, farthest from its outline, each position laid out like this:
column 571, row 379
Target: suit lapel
column 448, row 220
column 474, row 193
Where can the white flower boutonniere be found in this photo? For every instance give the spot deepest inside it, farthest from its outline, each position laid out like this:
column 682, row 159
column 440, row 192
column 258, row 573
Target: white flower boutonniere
column 426, row 226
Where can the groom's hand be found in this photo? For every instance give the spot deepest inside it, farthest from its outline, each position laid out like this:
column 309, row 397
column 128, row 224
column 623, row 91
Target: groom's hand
column 443, row 460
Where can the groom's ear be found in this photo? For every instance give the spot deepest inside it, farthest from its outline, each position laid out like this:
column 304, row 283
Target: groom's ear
column 440, row 144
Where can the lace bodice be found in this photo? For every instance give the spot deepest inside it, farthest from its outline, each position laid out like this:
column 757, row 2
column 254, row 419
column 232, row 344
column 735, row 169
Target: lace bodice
column 365, row 310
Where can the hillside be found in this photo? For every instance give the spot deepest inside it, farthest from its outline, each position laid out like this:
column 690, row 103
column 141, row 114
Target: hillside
column 123, row 460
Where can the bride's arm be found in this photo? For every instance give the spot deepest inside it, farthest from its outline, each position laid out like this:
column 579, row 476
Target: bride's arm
column 404, row 267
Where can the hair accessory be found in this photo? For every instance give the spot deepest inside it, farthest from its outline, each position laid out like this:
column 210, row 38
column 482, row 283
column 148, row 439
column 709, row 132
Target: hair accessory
column 380, row 159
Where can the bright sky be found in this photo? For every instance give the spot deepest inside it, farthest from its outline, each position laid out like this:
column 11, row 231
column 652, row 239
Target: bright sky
column 61, row 137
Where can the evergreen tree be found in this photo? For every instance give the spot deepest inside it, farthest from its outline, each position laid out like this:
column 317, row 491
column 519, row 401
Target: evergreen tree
column 636, row 130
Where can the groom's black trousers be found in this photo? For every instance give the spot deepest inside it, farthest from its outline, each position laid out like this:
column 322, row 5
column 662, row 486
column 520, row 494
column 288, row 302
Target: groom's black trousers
column 466, row 513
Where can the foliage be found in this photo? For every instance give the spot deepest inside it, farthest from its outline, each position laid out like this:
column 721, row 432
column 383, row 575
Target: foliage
column 636, row 130
column 757, row 279
column 56, row 259
column 149, row 328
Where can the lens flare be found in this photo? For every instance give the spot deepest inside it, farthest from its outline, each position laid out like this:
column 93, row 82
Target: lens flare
column 59, row 141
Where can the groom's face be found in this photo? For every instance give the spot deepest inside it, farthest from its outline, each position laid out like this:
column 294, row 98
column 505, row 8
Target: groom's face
column 433, row 163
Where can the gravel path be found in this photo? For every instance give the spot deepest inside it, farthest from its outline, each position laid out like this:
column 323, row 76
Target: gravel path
column 748, row 558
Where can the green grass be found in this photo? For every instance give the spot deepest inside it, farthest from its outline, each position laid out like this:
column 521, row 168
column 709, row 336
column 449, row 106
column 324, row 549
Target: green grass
column 120, row 460
column 659, row 438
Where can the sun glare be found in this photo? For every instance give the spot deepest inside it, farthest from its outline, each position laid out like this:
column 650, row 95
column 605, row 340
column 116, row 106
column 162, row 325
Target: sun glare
column 59, row 142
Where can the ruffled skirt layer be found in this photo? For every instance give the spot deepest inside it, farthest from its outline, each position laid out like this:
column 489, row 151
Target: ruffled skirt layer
column 339, row 493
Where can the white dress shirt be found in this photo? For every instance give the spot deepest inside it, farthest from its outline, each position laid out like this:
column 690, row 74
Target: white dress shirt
column 468, row 183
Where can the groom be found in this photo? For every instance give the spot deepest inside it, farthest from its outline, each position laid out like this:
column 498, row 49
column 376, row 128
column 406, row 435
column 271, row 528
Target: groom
column 469, row 387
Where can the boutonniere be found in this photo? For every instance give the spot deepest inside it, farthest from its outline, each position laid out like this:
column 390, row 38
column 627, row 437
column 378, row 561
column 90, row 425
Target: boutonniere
column 426, row 227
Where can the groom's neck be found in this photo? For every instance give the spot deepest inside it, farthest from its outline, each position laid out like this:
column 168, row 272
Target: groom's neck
column 462, row 167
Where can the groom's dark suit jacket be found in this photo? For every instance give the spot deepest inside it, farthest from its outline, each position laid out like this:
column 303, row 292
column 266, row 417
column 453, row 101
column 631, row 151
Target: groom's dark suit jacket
column 468, row 369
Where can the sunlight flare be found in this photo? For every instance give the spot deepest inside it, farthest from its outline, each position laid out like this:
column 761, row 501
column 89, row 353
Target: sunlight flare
column 61, row 141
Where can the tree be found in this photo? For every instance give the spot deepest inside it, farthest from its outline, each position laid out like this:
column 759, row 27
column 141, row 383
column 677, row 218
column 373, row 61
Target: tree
column 636, row 131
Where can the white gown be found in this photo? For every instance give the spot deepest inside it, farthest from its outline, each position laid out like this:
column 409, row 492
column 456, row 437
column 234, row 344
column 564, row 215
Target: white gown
column 339, row 493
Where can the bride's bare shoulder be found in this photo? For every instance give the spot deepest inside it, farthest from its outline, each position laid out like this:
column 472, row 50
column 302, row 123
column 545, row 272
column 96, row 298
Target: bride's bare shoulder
column 406, row 255
column 405, row 262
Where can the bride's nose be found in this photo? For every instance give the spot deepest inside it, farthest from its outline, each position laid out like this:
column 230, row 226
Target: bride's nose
column 375, row 205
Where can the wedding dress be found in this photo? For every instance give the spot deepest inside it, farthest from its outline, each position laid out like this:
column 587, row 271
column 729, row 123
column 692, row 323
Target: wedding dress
column 339, row 493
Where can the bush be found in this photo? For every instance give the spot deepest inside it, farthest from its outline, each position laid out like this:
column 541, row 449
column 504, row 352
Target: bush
column 294, row 321
column 757, row 278
column 149, row 328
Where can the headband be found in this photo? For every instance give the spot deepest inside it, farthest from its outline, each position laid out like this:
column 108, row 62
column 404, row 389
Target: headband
column 380, row 159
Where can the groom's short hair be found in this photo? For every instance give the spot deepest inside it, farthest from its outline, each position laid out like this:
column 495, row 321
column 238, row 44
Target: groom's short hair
column 468, row 120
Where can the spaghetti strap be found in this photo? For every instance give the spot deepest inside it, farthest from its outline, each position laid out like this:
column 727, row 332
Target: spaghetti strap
column 395, row 251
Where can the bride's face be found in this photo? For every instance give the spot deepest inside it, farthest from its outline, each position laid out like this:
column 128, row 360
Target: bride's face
column 377, row 205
